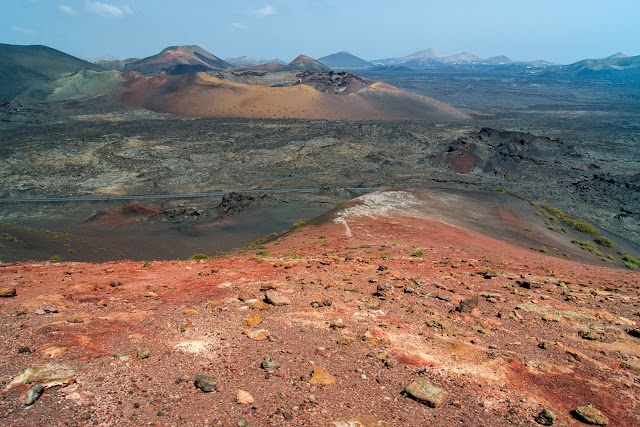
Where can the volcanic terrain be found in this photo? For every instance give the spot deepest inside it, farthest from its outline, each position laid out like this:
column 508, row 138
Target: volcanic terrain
column 187, row 81
column 396, row 309
column 493, row 283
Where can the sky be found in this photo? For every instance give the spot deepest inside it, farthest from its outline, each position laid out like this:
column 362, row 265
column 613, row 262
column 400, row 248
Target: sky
column 562, row 31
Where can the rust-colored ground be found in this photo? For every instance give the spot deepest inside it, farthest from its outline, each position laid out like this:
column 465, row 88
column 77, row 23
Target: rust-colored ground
column 375, row 300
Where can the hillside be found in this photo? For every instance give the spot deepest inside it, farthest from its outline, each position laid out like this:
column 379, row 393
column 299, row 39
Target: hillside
column 29, row 72
column 178, row 60
column 305, row 63
column 617, row 63
column 344, row 60
column 379, row 313
column 203, row 95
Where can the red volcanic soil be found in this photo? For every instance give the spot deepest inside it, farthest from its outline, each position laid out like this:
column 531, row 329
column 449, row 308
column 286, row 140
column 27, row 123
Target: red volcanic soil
column 377, row 294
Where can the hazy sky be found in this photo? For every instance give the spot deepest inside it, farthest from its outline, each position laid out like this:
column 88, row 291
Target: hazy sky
column 562, row 31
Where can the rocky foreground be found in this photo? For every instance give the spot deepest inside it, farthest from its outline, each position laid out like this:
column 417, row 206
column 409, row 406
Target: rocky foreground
column 373, row 316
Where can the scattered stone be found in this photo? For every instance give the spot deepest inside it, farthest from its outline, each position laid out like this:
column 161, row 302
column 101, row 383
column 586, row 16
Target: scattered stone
column 46, row 308
column 345, row 340
column 244, row 398
column 24, row 350
column 426, row 393
column 551, row 318
column 274, row 298
column 360, row 422
column 143, row 353
column 257, row 304
column 588, row 335
column 322, row 377
column 315, row 304
column 286, row 415
column 337, row 324
column 384, row 287
column 75, row 319
column 33, row 394
column 268, row 286
column 252, row 320
column 190, row 312
column 205, row 383
column 269, row 362
column 7, row 292
column 589, row 414
column 257, row 335
column 526, row 284
column 327, row 302
column 373, row 305
column 409, row 290
column 242, row 422
column 312, row 399
column 49, row 376
column 323, row 351
column 390, row 363
column 376, row 337
column 467, row 305
column 245, row 296
column 545, row 417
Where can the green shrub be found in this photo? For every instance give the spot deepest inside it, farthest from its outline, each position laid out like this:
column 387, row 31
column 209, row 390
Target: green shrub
column 543, row 249
column 385, row 255
column 603, row 241
column 299, row 223
column 419, row 253
column 10, row 237
column 590, row 247
column 262, row 253
column 258, row 244
column 630, row 261
column 198, row 257
column 582, row 226
column 56, row 258
column 556, row 215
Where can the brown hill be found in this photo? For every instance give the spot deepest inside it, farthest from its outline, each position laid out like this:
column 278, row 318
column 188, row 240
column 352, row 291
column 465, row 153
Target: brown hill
column 304, row 63
column 178, row 60
column 203, row 95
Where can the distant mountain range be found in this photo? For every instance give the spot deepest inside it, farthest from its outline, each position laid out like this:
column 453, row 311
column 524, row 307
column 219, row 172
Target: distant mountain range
column 179, row 60
column 32, row 73
column 247, row 61
column 617, row 65
column 430, row 57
